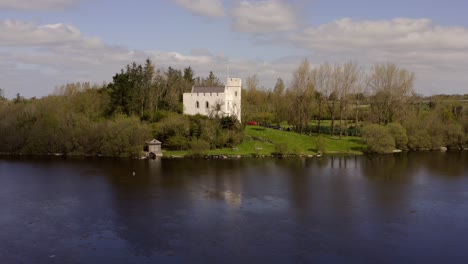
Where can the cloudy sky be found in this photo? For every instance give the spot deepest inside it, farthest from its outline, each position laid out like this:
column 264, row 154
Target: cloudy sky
column 45, row 43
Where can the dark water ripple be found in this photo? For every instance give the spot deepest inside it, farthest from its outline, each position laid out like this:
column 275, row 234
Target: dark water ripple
column 407, row 208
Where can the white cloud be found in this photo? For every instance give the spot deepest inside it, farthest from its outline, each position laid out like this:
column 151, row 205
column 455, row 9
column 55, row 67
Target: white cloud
column 430, row 50
column 397, row 34
column 209, row 8
column 264, row 16
column 35, row 58
column 37, row 4
column 19, row 33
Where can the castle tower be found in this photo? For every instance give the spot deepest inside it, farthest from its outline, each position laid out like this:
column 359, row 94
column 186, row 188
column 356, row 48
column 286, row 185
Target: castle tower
column 233, row 97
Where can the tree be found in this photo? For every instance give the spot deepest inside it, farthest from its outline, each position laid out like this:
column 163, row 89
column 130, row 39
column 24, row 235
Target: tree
column 189, row 76
column 279, row 86
column 301, row 93
column 332, row 92
column 19, row 99
column 349, row 82
column 391, row 89
column 398, row 132
column 2, row 95
column 279, row 104
column 174, row 90
column 253, row 99
column 127, row 90
column 321, row 78
column 378, row 139
column 212, row 80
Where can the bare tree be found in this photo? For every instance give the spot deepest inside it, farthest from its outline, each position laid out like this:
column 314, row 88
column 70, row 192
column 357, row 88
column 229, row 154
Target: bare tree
column 391, row 89
column 349, row 80
column 320, row 77
column 279, row 104
column 333, row 84
column 358, row 94
column 216, row 110
column 301, row 91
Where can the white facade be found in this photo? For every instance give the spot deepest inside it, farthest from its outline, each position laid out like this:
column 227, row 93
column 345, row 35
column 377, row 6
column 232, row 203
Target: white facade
column 211, row 101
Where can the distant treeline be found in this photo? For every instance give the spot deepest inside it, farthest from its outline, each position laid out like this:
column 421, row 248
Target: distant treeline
column 115, row 119
column 355, row 102
column 143, row 102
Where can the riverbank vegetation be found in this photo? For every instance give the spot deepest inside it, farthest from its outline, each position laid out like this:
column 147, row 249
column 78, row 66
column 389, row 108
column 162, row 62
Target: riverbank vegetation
column 326, row 109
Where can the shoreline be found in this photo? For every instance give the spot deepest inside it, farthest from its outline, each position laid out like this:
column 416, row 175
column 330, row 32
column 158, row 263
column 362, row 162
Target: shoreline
column 227, row 156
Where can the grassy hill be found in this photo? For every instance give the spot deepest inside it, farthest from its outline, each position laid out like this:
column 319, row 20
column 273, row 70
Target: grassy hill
column 265, row 141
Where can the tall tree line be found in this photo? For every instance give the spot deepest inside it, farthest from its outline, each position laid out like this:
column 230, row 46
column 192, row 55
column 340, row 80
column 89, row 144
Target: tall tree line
column 347, row 98
column 143, row 90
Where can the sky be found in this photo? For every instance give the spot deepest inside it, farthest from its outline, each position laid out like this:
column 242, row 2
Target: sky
column 47, row 43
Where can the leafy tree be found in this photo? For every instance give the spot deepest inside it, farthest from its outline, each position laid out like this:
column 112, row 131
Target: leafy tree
column 126, row 90
column 378, row 139
column 212, row 80
column 398, row 132
column 189, row 76
column 2, row 95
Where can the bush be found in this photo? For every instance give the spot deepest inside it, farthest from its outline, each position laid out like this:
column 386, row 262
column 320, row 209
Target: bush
column 281, row 149
column 170, row 126
column 228, row 122
column 321, row 145
column 454, row 136
column 199, row 148
column 398, row 132
column 419, row 139
column 177, row 142
column 234, row 138
column 378, row 139
column 124, row 137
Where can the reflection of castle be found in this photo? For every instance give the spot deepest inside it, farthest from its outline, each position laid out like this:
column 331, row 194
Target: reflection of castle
column 231, row 198
column 219, row 100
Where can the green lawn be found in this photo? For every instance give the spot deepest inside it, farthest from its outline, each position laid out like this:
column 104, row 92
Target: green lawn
column 262, row 141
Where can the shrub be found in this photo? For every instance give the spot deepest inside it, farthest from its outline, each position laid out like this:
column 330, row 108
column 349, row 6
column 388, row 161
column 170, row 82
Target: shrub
column 124, row 137
column 419, row 139
column 281, row 149
column 228, row 122
column 199, row 147
column 398, row 132
column 454, row 136
column 170, row 126
column 177, row 142
column 378, row 139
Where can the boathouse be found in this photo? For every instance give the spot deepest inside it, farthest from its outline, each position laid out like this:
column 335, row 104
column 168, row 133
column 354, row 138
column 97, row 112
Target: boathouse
column 153, row 148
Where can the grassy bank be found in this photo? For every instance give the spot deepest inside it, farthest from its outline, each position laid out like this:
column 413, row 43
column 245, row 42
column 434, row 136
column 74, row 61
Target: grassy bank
column 265, row 141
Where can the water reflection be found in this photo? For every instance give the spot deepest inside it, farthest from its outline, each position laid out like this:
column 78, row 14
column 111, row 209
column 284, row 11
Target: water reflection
column 327, row 210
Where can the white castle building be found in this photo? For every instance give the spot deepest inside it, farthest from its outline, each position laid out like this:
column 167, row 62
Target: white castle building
column 212, row 101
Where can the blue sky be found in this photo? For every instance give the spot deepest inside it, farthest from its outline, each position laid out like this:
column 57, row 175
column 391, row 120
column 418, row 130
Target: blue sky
column 45, row 43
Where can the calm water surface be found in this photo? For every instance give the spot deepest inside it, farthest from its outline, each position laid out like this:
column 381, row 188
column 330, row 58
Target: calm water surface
column 408, row 208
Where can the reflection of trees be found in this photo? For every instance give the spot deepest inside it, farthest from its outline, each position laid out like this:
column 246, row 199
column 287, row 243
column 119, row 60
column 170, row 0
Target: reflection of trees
column 401, row 167
column 442, row 164
column 390, row 168
column 166, row 206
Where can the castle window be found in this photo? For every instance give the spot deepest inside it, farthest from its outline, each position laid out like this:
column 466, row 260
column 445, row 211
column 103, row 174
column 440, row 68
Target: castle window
column 197, row 104
column 235, row 93
column 207, row 104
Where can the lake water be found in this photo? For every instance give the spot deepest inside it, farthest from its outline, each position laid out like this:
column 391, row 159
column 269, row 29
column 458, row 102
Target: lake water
column 406, row 208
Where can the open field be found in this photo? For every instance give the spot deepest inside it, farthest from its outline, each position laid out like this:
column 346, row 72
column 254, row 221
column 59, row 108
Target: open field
column 265, row 141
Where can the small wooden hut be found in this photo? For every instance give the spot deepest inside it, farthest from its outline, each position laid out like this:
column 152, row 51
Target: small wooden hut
column 153, row 148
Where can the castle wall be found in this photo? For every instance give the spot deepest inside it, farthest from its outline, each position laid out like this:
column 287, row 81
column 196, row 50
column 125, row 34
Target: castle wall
column 230, row 100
